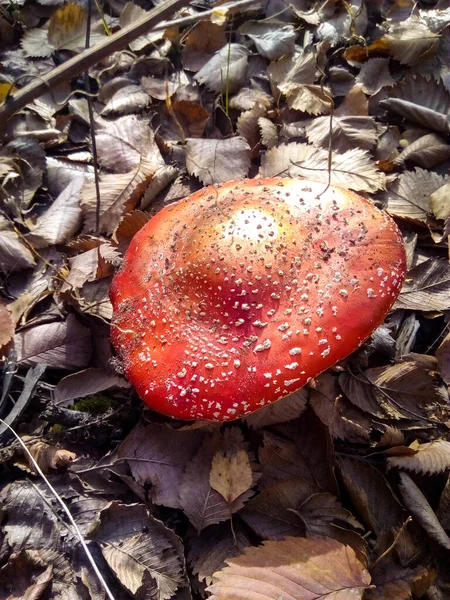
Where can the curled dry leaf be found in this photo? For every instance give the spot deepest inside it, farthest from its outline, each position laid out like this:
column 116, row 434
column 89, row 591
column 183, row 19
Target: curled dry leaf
column 214, row 161
column 427, row 151
column 128, row 99
column 352, row 170
column 48, row 457
column 422, row 101
column 416, row 502
column 346, row 132
column 439, row 201
column 428, row 458
column 305, row 569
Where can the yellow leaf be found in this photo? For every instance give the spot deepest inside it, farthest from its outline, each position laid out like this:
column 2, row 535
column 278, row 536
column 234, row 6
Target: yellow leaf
column 231, row 476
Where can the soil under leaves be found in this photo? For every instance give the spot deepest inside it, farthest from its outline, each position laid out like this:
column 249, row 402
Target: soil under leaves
column 341, row 489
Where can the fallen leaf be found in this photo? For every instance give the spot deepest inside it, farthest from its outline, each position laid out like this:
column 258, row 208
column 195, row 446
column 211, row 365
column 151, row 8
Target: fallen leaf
column 304, row 569
column 439, row 202
column 144, row 555
column 225, row 70
column 123, row 143
column 231, row 475
column 405, row 390
column 201, row 503
column 6, row 325
column 67, row 29
column 61, row 345
column 409, row 196
column 422, row 101
column 287, row 408
column 272, row 40
column 353, row 170
column 427, row 287
column 202, row 42
column 86, row 383
column 130, row 14
column 416, row 502
column 49, row 458
column 214, row 161
column 62, row 220
column 429, row 458
column 158, row 455
column 119, row 194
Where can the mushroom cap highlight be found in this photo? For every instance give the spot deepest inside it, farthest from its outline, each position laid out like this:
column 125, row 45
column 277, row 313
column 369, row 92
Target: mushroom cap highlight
column 238, row 295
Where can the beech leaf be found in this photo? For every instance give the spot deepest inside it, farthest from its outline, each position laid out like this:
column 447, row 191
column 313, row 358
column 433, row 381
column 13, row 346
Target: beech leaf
column 232, row 475
column 429, row 458
column 304, row 569
column 214, row 161
column 353, row 170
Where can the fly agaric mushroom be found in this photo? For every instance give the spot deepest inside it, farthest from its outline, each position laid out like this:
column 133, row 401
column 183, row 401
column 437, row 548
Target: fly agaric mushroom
column 241, row 293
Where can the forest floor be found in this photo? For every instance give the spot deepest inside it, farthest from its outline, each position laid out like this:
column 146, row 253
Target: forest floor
column 339, row 490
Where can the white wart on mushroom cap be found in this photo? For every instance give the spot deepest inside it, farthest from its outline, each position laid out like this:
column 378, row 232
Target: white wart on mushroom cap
column 238, row 295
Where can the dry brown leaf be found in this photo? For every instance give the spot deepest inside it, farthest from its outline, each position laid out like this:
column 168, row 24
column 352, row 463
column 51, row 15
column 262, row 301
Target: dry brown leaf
column 427, row 151
column 67, row 29
column 427, row 287
column 62, row 219
column 128, row 99
column 439, row 202
column 443, row 358
column 231, row 475
column 184, row 119
column 287, row 408
column 201, row 503
column 405, row 390
column 304, row 569
column 214, row 161
column 409, row 196
column 202, row 43
column 119, row 194
column 86, row 383
column 144, row 555
column 48, row 457
column 6, row 325
column 410, row 41
column 344, row 420
column 353, row 170
column 61, row 345
column 416, row 502
column 248, row 124
column 123, row 143
column 375, row 75
column 158, row 455
column 429, row 458
column 131, row 13
column 129, row 225
column 422, row 101
column 272, row 40
column 225, row 70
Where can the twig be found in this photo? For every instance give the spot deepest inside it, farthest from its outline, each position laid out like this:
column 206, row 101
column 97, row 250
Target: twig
column 84, row 61
column 66, row 510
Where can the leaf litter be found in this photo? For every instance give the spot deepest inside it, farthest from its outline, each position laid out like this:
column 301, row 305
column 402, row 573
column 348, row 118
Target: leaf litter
column 341, row 489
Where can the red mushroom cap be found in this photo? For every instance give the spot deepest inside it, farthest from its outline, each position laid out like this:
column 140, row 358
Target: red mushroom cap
column 241, row 293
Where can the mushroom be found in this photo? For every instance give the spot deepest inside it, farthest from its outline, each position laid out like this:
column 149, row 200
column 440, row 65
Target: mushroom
column 241, row 293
